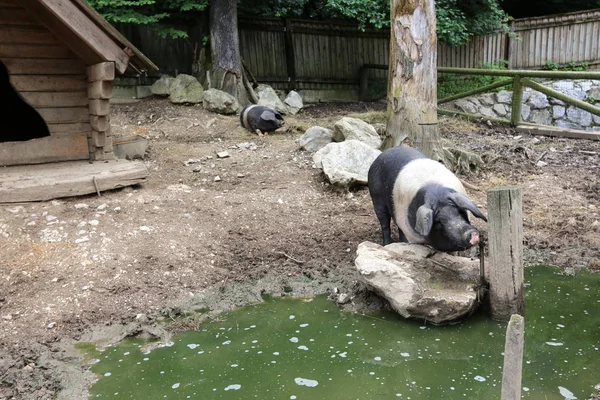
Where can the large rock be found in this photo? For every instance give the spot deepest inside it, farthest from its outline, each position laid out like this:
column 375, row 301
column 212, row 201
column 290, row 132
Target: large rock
column 186, row 89
column 466, row 106
column 162, row 87
column 315, row 138
column 346, row 163
column 294, row 102
column 269, row 98
column 356, row 129
column 541, row 117
column 538, row 100
column 419, row 282
column 220, row 102
column 579, row 117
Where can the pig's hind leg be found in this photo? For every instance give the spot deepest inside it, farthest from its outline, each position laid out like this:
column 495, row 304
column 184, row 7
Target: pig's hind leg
column 384, row 217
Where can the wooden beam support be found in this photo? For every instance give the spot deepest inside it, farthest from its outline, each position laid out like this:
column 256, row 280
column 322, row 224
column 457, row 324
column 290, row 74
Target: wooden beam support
column 104, row 71
column 100, row 123
column 558, row 132
column 43, row 150
column 100, row 90
column 513, row 358
column 99, row 107
column 517, row 101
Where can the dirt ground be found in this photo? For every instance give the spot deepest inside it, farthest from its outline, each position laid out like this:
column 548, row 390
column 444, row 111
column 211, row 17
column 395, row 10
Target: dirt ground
column 101, row 268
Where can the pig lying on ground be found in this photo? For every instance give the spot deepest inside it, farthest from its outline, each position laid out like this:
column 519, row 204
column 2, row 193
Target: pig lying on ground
column 260, row 119
column 425, row 200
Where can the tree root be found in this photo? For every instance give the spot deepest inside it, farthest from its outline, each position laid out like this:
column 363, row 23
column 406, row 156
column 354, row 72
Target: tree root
column 459, row 160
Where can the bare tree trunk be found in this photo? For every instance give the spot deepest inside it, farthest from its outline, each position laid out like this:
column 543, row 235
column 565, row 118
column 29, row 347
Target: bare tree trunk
column 227, row 73
column 412, row 78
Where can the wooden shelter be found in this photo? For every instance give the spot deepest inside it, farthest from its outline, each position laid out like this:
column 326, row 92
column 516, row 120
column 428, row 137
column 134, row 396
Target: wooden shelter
column 62, row 57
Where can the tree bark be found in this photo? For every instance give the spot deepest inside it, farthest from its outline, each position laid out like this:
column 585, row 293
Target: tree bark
column 412, row 78
column 226, row 71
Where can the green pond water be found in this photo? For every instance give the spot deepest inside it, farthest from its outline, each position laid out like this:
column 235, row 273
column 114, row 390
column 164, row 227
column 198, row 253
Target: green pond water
column 297, row 349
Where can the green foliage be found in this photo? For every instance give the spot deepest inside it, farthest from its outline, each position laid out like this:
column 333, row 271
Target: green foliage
column 148, row 12
column 451, row 84
column 572, row 66
column 367, row 13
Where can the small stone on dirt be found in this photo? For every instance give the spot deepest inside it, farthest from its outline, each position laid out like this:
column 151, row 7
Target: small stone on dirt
column 217, row 178
column 240, row 175
column 51, row 325
column 81, row 205
column 541, row 164
column 343, row 298
column 197, row 168
column 223, row 154
column 191, row 161
column 247, row 146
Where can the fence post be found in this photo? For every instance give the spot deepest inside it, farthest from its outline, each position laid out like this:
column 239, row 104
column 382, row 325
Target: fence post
column 290, row 55
column 517, row 101
column 505, row 237
column 513, row 358
column 363, row 88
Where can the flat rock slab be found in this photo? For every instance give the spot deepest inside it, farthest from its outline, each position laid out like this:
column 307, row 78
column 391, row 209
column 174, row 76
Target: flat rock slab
column 420, row 282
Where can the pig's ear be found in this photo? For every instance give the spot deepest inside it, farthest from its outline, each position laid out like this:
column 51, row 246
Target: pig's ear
column 424, row 221
column 465, row 203
column 268, row 116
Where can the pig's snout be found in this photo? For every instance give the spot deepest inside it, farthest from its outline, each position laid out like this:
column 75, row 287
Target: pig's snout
column 473, row 237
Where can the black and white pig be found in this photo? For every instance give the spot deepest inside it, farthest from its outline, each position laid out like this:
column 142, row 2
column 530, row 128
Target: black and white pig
column 260, row 119
column 425, row 200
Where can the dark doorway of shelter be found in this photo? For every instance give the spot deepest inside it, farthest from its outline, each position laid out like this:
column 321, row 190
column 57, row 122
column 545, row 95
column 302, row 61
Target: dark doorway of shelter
column 18, row 120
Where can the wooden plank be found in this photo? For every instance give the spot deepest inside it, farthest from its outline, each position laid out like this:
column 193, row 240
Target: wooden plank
column 64, row 115
column 67, row 179
column 104, row 71
column 26, row 34
column 8, row 50
column 16, row 16
column 100, row 123
column 558, row 132
column 98, row 139
column 81, row 34
column 36, row 66
column 48, row 149
column 56, row 99
column 68, row 129
column 44, row 83
column 505, row 273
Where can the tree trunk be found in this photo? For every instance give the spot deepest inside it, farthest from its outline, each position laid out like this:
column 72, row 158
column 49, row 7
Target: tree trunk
column 412, row 77
column 226, row 72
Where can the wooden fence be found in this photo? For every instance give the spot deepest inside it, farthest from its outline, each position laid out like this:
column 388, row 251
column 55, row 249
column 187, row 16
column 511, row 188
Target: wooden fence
column 325, row 55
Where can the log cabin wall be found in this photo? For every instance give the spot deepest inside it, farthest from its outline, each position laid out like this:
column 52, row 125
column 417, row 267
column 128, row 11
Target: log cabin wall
column 52, row 79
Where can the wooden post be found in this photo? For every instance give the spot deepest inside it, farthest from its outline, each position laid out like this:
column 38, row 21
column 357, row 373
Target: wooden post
column 513, row 359
column 290, row 56
column 505, row 237
column 517, row 101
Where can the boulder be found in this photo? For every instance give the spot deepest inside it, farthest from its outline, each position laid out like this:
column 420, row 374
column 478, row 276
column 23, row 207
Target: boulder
column 558, row 112
column 186, row 89
column 162, row 87
column 346, row 163
column 579, row 117
column 504, row 97
column 420, row 282
column 356, row 129
column 294, row 102
column 538, row 100
column 466, row 106
column 315, row 138
column 220, row 102
column 269, row 98
column 541, row 117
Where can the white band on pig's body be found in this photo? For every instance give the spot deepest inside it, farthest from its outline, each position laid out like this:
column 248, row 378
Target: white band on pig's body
column 412, row 177
column 245, row 116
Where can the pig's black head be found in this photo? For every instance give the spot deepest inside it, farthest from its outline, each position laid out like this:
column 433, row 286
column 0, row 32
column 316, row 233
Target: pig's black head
column 444, row 222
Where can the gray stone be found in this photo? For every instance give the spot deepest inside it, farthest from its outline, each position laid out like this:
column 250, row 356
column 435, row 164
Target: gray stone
column 220, row 102
column 585, row 85
column 410, row 278
column 526, row 94
column 269, row 98
column 294, row 102
column 563, row 85
column 487, row 112
column 579, row 117
column 162, row 86
column 346, row 163
column 540, row 117
column 142, row 92
column 500, row 109
column 575, row 93
column 504, row 97
column 466, row 106
column 538, row 100
column 558, row 112
column 315, row 138
column 594, row 93
column 349, row 128
column 487, row 99
column 475, row 101
column 185, row 89
column 561, row 123
column 525, row 112
column 595, row 119
column 555, row 101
